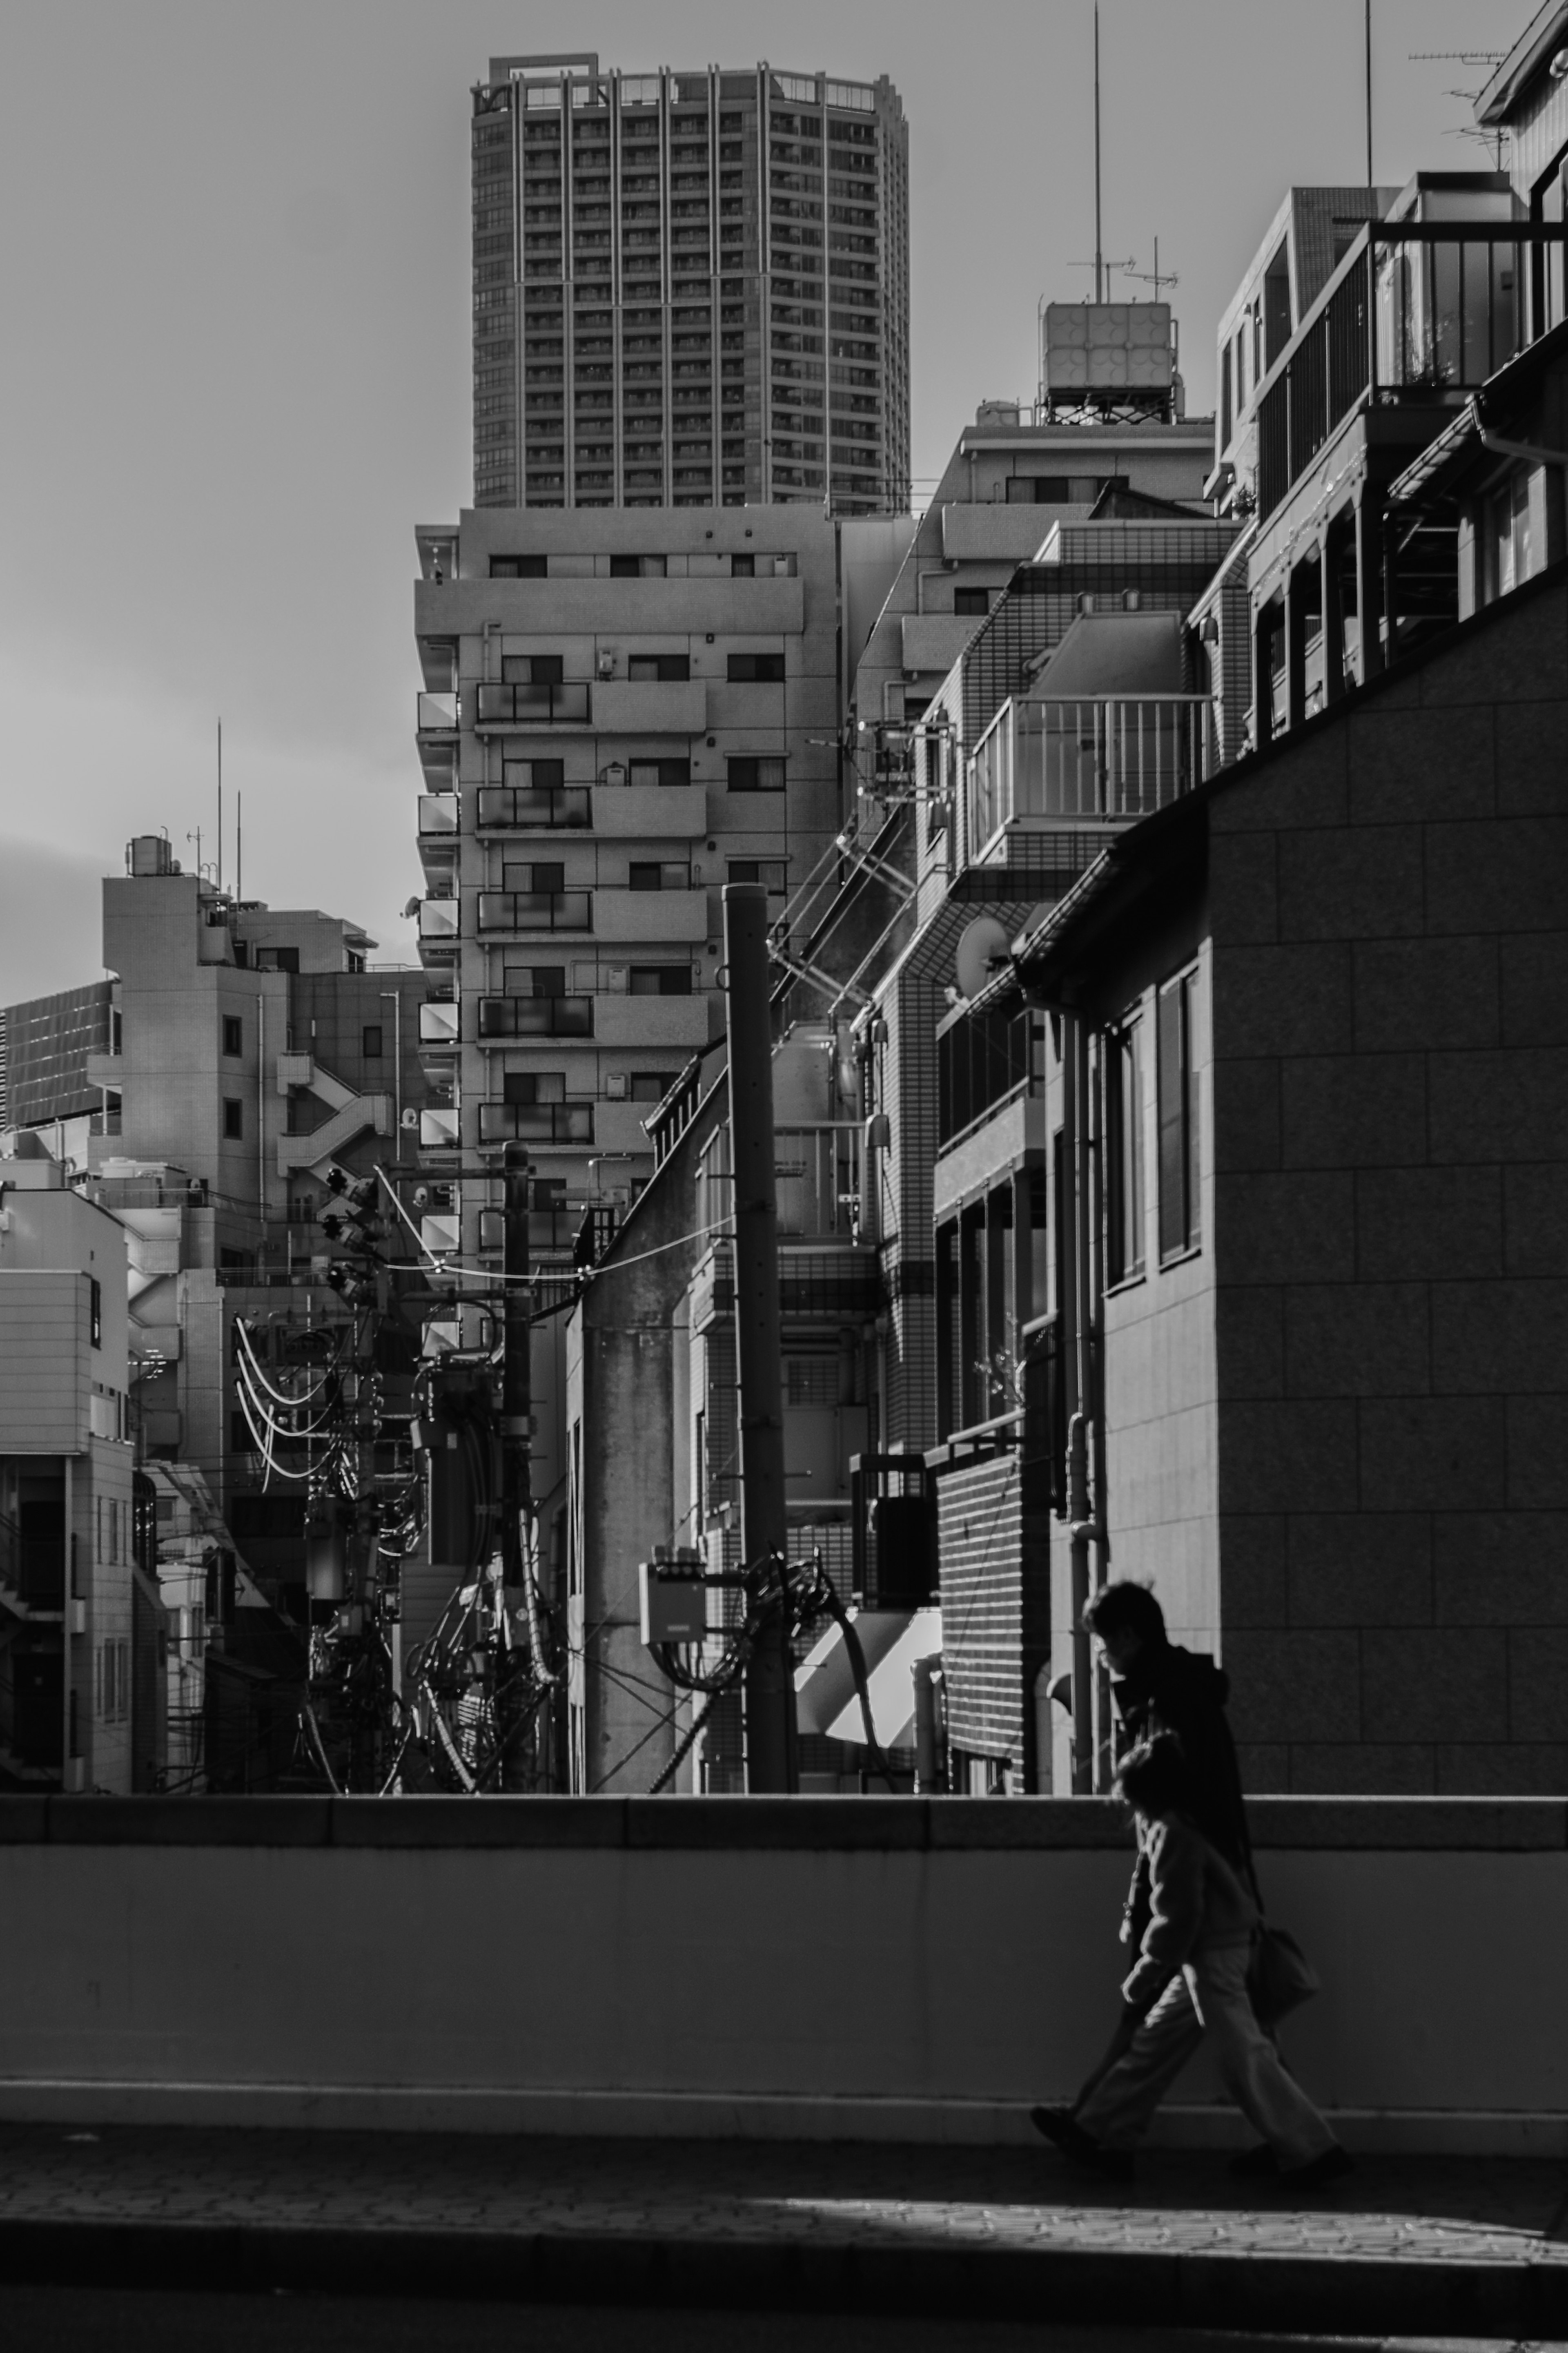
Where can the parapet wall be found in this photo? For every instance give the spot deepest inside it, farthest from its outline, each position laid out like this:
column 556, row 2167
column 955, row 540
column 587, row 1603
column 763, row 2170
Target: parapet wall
column 833, row 1968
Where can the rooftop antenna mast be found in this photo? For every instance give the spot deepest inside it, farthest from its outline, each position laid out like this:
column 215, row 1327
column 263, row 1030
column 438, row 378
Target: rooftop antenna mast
column 220, row 804
column 1097, row 247
column 1366, row 15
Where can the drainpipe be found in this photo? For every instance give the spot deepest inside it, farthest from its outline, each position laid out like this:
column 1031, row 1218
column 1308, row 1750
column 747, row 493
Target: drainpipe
column 1094, row 1322
column 1075, row 1366
column 261, row 1114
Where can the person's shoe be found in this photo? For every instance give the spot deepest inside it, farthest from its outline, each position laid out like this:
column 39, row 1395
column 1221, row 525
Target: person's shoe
column 1064, row 2132
column 1332, row 2166
column 1259, row 2164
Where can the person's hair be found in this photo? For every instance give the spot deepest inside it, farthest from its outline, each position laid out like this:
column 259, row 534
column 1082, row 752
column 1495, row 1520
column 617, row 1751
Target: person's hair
column 1125, row 1608
column 1154, row 1777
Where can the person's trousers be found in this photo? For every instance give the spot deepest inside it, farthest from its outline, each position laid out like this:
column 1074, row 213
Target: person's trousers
column 1208, row 1996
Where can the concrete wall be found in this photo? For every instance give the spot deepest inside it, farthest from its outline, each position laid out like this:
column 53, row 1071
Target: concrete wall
column 1388, row 894
column 652, row 1965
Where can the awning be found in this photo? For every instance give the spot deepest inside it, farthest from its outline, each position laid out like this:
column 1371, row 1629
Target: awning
column 826, row 1701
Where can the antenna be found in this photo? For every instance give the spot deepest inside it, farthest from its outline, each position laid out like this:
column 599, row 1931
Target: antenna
column 1367, row 20
column 1098, row 295
column 220, row 804
column 239, row 844
column 1156, row 277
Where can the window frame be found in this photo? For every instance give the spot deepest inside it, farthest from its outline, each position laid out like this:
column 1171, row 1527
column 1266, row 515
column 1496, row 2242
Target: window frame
column 1178, row 1123
column 1126, row 1189
column 233, row 1119
column 233, row 1038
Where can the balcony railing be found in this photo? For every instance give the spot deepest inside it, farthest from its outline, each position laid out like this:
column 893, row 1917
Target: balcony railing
column 436, row 714
column 536, row 1016
column 519, row 809
column 816, row 1174
column 438, row 919
column 536, row 911
column 440, row 1130
column 1418, row 311
column 440, row 1025
column 508, row 705
column 437, row 816
column 504, row 1123
column 1070, row 760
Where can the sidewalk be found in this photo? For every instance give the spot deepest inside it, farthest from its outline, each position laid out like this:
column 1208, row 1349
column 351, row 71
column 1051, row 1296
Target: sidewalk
column 1432, row 2246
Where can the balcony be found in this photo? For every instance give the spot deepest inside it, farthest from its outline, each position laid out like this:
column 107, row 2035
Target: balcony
column 518, row 808
column 440, row 1130
column 650, row 812
column 621, row 1020
column 437, row 714
column 817, row 1175
column 654, row 707
column 440, row 1025
column 515, row 705
column 442, row 1234
column 1417, row 312
column 504, row 1123
column 635, row 915
column 535, row 1016
column 1056, row 762
column 537, row 910
column 438, row 817
column 438, row 919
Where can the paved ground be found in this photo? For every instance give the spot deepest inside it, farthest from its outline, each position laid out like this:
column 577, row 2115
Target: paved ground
column 1436, row 2247
column 132, row 2320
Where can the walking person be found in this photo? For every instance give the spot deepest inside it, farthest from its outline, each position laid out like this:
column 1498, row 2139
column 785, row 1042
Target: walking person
column 1188, row 1980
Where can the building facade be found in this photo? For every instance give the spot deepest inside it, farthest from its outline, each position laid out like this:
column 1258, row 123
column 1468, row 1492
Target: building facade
column 690, row 288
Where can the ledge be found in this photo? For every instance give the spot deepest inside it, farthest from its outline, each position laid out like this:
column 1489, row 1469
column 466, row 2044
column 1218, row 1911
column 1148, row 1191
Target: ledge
column 834, row 1825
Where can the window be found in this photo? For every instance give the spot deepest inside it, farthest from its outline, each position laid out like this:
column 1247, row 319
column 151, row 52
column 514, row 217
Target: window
column 651, row 1086
column 370, row 1041
column 542, row 876
column 534, row 775
column 637, row 567
column 534, row 980
column 659, row 980
column 1124, row 1138
column 1178, row 1107
column 659, row 772
column 664, row 669
column 756, row 669
column 240, row 1437
column 233, row 1034
column 532, row 669
column 761, row 776
column 1038, row 489
column 658, row 874
column 519, row 568
column 972, row 600
column 770, row 871
column 278, row 960
column 743, row 568
column 233, row 1120
column 95, row 1310
column 534, row 1086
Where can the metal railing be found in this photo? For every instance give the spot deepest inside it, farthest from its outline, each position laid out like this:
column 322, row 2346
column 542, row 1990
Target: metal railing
column 523, row 809
column 504, row 1123
column 816, row 1173
column 1049, row 759
column 536, row 911
column 1415, row 310
column 536, row 1016
column 505, row 704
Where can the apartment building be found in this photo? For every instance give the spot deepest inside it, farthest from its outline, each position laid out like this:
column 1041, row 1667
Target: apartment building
column 689, row 289
column 68, row 1576
column 237, row 1051
column 1009, row 480
column 621, row 714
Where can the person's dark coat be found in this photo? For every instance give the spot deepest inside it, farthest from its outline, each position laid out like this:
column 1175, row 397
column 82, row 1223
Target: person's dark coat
column 1168, row 1688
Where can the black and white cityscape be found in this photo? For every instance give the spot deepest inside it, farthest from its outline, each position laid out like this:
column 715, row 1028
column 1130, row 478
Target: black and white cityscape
column 783, row 1178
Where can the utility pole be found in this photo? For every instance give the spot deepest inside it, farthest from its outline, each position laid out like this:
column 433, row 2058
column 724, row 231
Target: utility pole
column 516, row 1435
column 772, row 1742
column 1099, row 246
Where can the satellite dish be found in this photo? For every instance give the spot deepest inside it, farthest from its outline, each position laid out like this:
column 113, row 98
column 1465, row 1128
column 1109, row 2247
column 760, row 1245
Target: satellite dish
column 980, row 945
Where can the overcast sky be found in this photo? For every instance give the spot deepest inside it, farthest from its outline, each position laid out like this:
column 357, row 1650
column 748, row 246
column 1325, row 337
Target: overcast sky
column 234, row 278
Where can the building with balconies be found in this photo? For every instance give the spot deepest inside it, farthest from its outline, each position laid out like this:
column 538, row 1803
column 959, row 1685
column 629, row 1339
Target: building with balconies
column 689, row 289
column 620, row 716
column 1364, row 328
column 200, row 1094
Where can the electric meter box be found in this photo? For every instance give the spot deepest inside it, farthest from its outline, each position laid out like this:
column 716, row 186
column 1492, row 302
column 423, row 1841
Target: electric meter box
column 674, row 1602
